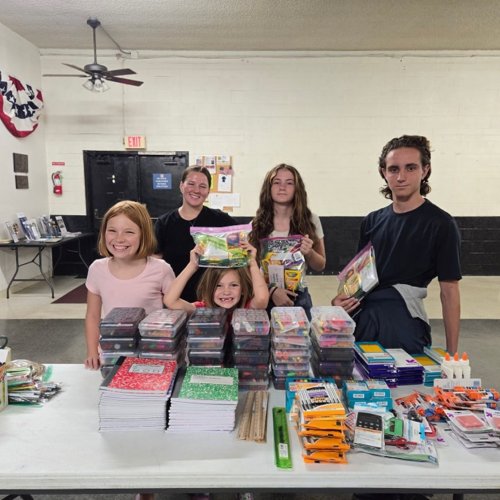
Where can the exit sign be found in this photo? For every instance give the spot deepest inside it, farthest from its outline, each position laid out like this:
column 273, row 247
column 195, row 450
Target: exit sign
column 134, row 142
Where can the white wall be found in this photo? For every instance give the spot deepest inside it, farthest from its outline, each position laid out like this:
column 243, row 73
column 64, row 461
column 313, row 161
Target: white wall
column 21, row 59
column 327, row 114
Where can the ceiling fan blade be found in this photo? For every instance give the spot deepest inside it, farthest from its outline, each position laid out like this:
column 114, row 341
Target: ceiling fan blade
column 120, row 72
column 76, row 67
column 77, row 76
column 126, row 81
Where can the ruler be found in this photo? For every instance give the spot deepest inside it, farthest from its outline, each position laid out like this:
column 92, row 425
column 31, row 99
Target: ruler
column 281, row 439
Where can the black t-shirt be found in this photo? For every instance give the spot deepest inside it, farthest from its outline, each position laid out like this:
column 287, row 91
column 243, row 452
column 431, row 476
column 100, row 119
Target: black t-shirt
column 413, row 247
column 175, row 242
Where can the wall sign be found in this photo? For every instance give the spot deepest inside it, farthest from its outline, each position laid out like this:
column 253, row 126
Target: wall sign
column 162, row 181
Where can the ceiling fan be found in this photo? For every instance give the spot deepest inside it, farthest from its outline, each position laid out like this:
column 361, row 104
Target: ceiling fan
column 98, row 74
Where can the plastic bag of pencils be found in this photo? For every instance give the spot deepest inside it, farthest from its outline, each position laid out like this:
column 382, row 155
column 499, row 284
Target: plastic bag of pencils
column 221, row 245
column 360, row 275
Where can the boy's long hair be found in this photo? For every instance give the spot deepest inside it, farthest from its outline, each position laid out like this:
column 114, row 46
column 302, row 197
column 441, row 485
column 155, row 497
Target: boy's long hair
column 210, row 279
column 139, row 215
column 300, row 222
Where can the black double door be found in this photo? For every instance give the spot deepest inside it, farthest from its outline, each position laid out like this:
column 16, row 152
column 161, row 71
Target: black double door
column 152, row 179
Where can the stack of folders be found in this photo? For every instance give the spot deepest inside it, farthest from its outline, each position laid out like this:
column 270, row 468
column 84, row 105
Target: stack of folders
column 408, row 370
column 135, row 393
column 432, row 369
column 373, row 361
column 321, row 423
column 204, row 399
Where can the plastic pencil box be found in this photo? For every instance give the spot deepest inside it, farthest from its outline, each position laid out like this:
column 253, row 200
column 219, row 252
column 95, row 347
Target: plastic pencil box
column 289, row 321
column 122, row 322
column 251, row 343
column 207, row 321
column 332, row 319
column 250, row 322
column 163, row 323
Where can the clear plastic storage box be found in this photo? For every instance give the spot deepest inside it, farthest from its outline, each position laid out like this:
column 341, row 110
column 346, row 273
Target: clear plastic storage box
column 163, row 323
column 122, row 322
column 250, row 322
column 207, row 321
column 289, row 321
column 332, row 320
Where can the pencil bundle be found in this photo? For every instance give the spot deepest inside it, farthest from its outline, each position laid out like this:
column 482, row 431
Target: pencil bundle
column 321, row 423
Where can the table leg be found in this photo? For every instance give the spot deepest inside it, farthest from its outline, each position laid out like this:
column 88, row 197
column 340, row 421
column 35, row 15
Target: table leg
column 78, row 251
column 37, row 260
column 39, row 255
column 15, row 273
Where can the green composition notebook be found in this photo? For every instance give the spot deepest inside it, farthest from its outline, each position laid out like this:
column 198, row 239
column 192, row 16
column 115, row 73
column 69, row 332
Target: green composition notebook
column 210, row 383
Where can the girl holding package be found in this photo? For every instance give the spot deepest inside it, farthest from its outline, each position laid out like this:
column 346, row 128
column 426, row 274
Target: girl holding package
column 127, row 275
column 283, row 211
column 229, row 288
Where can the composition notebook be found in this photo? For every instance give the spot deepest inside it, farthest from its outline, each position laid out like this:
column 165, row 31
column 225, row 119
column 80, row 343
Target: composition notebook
column 141, row 376
column 210, row 384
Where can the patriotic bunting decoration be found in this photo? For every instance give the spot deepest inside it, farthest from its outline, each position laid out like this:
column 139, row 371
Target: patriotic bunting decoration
column 20, row 106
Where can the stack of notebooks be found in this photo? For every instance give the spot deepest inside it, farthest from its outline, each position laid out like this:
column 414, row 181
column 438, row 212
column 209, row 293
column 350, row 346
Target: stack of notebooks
column 408, row 370
column 205, row 399
column 432, row 369
column 135, row 393
column 373, row 361
column 321, row 423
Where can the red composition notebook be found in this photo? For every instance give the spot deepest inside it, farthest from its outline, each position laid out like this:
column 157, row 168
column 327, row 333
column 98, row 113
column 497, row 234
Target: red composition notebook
column 141, row 375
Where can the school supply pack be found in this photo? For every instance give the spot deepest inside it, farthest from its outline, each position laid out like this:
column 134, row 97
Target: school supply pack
column 359, row 276
column 283, row 263
column 220, row 246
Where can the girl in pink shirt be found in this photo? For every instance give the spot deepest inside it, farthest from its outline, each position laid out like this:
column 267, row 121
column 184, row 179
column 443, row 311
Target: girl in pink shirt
column 222, row 287
column 128, row 275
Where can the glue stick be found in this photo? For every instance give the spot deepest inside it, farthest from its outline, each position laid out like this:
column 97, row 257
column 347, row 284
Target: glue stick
column 465, row 364
column 447, row 367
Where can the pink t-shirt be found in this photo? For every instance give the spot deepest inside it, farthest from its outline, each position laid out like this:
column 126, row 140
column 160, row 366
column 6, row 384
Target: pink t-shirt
column 145, row 290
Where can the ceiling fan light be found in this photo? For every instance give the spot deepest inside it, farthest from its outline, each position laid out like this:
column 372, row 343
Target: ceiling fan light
column 88, row 84
column 100, row 85
column 97, row 85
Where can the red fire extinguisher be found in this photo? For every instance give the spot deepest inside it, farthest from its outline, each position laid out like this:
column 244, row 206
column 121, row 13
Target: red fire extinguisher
column 57, row 181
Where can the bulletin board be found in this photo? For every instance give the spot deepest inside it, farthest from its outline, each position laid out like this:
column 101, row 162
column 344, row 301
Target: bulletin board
column 221, row 169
